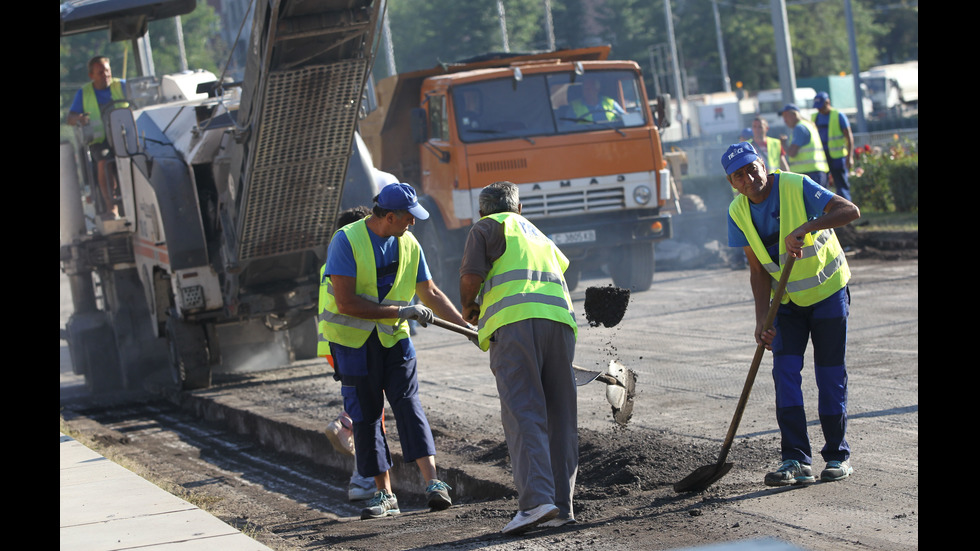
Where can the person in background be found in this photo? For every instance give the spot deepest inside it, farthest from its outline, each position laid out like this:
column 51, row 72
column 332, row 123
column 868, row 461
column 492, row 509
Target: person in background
column 512, row 285
column 775, row 157
column 838, row 142
column 805, row 150
column 775, row 216
column 86, row 110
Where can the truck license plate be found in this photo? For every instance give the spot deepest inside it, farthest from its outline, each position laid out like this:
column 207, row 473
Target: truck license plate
column 584, row 236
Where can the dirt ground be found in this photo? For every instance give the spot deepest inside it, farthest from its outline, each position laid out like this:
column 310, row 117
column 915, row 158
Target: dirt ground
column 623, row 500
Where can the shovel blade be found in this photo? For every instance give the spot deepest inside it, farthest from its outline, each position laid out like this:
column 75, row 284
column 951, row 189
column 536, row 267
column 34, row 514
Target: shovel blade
column 702, row 477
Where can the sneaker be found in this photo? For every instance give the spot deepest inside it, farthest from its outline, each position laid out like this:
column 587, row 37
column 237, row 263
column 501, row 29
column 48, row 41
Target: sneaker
column 383, row 504
column 437, row 496
column 790, row 472
column 360, row 488
column 558, row 521
column 340, row 434
column 525, row 520
column 836, row 470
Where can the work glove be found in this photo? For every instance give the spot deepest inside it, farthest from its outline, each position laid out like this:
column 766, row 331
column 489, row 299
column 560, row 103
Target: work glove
column 416, row 312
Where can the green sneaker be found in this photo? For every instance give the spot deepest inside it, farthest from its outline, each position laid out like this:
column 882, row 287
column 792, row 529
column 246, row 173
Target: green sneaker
column 383, row 504
column 437, row 496
column 836, row 470
column 790, row 472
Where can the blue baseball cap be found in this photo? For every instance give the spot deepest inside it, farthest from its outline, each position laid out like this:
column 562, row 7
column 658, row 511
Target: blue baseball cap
column 746, row 133
column 400, row 196
column 820, row 99
column 788, row 107
column 737, row 156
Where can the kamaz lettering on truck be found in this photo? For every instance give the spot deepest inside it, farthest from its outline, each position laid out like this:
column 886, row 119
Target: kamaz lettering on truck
column 574, row 130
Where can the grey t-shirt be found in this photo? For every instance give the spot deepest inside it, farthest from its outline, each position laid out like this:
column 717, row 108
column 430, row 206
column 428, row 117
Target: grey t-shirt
column 485, row 244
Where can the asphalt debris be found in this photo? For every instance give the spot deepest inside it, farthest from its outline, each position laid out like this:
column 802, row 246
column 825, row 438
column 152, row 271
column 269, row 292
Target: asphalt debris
column 606, row 305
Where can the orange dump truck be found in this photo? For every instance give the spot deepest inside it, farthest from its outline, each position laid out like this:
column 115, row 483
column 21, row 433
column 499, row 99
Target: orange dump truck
column 593, row 180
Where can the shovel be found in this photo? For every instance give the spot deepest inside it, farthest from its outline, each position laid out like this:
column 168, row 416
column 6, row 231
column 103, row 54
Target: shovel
column 707, row 475
column 620, row 381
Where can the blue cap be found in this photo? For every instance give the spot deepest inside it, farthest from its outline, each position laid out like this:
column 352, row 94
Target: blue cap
column 746, row 133
column 788, row 107
column 737, row 156
column 820, row 99
column 401, row 197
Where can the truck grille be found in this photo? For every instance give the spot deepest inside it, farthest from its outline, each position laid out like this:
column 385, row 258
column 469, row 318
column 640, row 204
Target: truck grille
column 301, row 154
column 564, row 203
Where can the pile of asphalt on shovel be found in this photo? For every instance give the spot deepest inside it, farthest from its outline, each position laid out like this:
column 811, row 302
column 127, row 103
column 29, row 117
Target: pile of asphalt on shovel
column 606, row 306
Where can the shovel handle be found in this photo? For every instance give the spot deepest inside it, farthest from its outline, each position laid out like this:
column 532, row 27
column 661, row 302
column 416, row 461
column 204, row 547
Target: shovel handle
column 604, row 377
column 756, row 360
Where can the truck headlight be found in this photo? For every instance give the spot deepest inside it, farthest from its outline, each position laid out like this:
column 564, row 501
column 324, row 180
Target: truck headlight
column 642, row 194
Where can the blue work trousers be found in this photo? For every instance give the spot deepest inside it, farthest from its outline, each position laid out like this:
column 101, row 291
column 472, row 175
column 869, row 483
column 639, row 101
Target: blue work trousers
column 825, row 323
column 368, row 375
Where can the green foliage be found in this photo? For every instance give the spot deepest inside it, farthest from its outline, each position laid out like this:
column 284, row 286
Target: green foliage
column 887, row 179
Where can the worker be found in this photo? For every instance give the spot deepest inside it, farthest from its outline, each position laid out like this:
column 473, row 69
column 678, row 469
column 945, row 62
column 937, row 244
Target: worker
column 512, row 286
column 777, row 215
column 375, row 268
column 340, row 431
column 838, row 142
column 86, row 110
column 775, row 157
column 588, row 105
column 805, row 152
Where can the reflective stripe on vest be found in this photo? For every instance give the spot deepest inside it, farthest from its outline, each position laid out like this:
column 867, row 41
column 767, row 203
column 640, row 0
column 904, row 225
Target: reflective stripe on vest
column 354, row 332
column 822, row 271
column 582, row 111
column 836, row 144
column 91, row 106
column 525, row 282
column 810, row 157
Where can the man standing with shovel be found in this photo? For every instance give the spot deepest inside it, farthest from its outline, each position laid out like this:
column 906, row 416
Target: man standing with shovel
column 785, row 214
column 512, row 285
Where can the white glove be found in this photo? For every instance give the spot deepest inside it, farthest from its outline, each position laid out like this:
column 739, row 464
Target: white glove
column 416, row 312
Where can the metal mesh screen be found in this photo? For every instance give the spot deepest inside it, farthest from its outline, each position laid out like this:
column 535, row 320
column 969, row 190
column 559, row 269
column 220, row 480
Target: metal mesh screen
column 301, row 154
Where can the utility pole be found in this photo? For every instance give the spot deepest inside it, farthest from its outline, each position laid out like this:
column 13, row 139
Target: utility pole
column 784, row 51
column 549, row 26
column 503, row 24
column 855, row 68
column 725, row 80
column 678, row 89
column 386, row 40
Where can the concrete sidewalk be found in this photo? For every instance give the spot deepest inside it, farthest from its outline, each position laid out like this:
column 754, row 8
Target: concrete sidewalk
column 105, row 506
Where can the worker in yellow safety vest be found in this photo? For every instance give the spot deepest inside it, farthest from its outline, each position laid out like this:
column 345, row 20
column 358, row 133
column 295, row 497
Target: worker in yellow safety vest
column 775, row 216
column 805, row 150
column 374, row 270
column 512, row 285
column 86, row 111
column 838, row 142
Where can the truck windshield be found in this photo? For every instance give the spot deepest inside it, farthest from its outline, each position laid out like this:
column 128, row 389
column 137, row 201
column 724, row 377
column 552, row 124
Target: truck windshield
column 548, row 104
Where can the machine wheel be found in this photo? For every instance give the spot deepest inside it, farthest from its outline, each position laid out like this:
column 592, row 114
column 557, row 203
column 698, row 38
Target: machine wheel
column 190, row 357
column 434, row 241
column 633, row 269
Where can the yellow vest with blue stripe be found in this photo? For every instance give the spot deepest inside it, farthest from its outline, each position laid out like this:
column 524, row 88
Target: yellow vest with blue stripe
column 836, row 143
column 810, row 157
column 525, row 282
column 822, row 271
column 91, row 106
column 354, row 332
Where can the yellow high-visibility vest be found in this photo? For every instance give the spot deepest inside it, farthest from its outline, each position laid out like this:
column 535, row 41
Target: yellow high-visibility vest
column 91, row 106
column 352, row 332
column 836, row 143
column 821, row 272
column 810, row 157
column 525, row 282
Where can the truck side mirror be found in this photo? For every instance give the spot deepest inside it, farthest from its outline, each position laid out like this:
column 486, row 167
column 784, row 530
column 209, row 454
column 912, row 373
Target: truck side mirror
column 662, row 114
column 419, row 125
column 121, row 134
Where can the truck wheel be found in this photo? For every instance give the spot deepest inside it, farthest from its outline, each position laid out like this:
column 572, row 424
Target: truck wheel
column 633, row 269
column 190, row 364
column 433, row 241
column 92, row 347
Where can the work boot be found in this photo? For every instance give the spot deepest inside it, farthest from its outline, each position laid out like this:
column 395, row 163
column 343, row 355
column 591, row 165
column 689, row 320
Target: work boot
column 525, row 520
column 383, row 504
column 437, row 496
column 836, row 470
column 790, row 472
